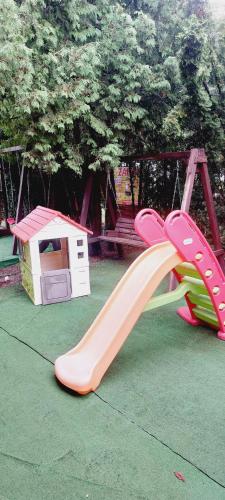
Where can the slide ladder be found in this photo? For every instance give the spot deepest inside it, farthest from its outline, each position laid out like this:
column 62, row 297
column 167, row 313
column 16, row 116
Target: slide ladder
column 193, row 247
column 200, row 267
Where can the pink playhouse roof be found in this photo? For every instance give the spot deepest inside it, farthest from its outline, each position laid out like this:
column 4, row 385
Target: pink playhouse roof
column 37, row 219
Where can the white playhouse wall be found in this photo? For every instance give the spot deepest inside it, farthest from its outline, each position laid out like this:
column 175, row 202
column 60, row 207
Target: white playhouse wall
column 78, row 256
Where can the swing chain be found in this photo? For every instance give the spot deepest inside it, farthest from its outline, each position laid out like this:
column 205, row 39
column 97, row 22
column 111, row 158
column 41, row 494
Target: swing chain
column 109, row 186
column 177, row 186
column 106, row 199
column 114, row 194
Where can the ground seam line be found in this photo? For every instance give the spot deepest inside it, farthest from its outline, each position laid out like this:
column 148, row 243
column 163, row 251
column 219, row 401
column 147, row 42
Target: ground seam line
column 121, row 413
column 159, row 440
column 27, row 345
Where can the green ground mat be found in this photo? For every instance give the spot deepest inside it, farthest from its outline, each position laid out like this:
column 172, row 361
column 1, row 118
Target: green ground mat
column 159, row 409
column 6, row 257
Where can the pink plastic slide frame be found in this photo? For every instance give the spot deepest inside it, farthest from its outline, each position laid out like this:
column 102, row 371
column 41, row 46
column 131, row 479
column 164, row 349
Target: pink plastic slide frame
column 190, row 243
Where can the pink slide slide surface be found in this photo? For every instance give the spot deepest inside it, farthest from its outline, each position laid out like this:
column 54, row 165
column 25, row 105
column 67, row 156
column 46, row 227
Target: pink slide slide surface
column 83, row 367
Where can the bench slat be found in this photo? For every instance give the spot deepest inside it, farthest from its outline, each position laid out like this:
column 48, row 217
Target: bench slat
column 111, row 233
column 126, row 220
column 124, row 225
column 123, row 241
column 125, row 231
column 122, row 234
column 131, row 236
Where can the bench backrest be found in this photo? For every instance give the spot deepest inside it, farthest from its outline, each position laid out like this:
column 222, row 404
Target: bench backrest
column 125, row 229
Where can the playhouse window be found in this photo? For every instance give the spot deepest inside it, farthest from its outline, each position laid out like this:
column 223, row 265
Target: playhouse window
column 49, row 245
column 80, row 255
column 80, row 243
column 53, row 254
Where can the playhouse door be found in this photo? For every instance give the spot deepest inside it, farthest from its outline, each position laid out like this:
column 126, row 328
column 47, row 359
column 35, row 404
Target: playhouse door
column 55, row 286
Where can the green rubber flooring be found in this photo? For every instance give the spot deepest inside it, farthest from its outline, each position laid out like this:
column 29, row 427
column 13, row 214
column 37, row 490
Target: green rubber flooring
column 160, row 408
column 6, row 257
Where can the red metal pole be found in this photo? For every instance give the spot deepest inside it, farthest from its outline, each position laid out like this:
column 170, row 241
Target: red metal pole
column 189, row 182
column 86, row 200
column 186, row 201
column 212, row 214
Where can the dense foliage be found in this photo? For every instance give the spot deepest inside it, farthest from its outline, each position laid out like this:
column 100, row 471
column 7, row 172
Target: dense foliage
column 84, row 82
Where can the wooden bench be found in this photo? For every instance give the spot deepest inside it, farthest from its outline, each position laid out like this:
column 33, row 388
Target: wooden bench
column 123, row 234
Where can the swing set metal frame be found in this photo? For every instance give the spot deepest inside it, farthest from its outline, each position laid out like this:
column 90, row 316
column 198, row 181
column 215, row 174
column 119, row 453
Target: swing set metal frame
column 195, row 161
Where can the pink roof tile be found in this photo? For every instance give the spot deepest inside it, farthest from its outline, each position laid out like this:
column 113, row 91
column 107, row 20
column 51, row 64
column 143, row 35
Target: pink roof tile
column 37, row 219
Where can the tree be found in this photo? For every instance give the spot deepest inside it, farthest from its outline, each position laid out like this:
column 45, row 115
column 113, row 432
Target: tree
column 84, row 82
column 84, row 79
column 16, row 72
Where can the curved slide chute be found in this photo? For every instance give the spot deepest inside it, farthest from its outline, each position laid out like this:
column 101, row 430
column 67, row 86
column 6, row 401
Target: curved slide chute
column 83, row 367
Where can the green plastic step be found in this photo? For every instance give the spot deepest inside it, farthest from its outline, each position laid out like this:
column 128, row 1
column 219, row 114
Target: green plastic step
column 198, row 285
column 206, row 316
column 187, row 269
column 201, row 300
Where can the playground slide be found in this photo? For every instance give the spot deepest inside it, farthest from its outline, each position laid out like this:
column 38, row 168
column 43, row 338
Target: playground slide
column 82, row 368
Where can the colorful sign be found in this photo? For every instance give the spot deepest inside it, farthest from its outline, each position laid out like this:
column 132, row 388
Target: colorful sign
column 123, row 184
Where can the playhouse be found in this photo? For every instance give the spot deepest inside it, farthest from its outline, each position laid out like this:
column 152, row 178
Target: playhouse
column 53, row 256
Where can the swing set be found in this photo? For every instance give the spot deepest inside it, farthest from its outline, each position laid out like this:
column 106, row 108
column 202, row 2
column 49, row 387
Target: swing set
column 195, row 163
column 100, row 185
column 11, row 168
